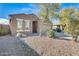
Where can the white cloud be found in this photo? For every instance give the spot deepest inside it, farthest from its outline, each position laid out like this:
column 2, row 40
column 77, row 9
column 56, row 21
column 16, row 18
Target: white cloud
column 25, row 9
column 31, row 10
column 55, row 21
column 4, row 21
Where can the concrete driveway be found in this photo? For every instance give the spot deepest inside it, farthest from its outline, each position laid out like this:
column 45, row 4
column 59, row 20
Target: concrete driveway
column 12, row 46
column 62, row 35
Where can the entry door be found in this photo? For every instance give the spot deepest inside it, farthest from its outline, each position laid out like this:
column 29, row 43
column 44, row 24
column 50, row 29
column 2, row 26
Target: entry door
column 34, row 26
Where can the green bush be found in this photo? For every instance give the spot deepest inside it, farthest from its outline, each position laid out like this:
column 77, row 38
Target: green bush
column 50, row 33
column 1, row 31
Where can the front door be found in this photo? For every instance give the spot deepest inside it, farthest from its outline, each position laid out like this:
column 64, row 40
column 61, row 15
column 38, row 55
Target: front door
column 34, row 26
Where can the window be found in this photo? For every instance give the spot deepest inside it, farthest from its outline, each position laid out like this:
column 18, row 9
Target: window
column 19, row 24
column 26, row 24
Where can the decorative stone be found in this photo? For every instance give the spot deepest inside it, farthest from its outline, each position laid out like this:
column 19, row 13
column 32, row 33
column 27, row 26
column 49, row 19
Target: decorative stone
column 24, row 35
column 19, row 35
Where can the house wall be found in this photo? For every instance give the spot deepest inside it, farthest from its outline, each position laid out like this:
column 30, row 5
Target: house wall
column 43, row 27
column 14, row 29
column 38, row 30
column 13, row 25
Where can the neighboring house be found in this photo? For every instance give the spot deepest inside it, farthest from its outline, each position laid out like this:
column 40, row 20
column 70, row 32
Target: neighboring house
column 59, row 26
column 27, row 23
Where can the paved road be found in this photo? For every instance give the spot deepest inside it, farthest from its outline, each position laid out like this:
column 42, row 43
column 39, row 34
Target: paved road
column 12, row 46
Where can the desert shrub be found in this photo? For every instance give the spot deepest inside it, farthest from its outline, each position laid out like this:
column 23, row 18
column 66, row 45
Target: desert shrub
column 51, row 33
column 2, row 32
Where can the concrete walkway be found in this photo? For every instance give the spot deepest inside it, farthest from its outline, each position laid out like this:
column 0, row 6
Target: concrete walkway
column 12, row 46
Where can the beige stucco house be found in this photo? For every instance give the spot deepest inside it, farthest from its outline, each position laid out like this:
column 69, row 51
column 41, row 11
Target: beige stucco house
column 26, row 23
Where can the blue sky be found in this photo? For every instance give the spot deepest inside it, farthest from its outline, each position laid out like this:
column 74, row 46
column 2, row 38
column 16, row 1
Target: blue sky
column 6, row 9
column 14, row 8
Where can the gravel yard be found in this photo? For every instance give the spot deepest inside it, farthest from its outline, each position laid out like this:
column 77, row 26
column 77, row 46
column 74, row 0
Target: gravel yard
column 35, row 45
column 53, row 47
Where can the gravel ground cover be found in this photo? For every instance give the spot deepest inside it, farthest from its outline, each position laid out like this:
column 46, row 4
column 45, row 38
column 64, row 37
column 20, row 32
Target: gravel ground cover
column 52, row 47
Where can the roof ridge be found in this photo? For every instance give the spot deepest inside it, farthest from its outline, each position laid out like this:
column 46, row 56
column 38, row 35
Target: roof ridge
column 16, row 14
column 21, row 14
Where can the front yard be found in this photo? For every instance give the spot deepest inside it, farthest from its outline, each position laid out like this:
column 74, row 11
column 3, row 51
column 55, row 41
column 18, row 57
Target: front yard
column 36, row 45
column 52, row 47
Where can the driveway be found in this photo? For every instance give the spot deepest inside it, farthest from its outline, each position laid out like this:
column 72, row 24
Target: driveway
column 13, row 46
column 62, row 35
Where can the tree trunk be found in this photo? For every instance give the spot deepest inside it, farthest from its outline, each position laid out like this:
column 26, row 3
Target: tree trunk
column 75, row 38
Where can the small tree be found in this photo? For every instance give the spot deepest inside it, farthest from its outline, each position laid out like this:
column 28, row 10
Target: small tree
column 48, row 11
column 74, row 25
column 70, row 17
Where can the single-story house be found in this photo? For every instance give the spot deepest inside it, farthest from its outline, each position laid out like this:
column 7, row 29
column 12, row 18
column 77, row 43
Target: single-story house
column 27, row 23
